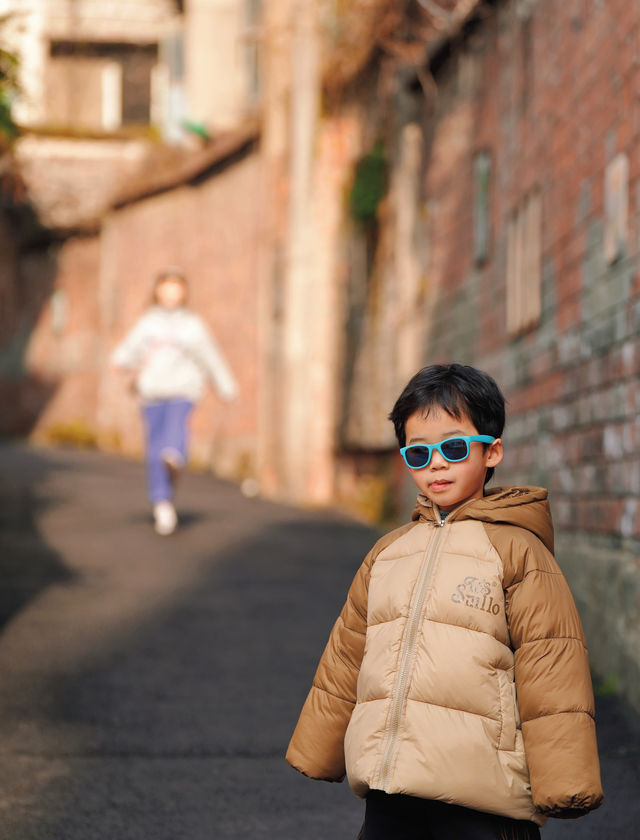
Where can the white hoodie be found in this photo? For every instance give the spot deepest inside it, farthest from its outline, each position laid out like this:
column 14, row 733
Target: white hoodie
column 174, row 353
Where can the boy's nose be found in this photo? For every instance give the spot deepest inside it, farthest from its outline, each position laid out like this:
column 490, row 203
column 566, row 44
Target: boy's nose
column 437, row 461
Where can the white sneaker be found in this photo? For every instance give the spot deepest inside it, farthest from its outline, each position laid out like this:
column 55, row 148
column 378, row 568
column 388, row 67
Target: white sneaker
column 165, row 518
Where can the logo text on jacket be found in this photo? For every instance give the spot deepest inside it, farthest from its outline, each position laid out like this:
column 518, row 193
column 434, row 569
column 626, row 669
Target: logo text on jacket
column 475, row 592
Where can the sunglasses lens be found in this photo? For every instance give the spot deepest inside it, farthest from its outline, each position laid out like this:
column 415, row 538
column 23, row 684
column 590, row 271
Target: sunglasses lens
column 455, row 449
column 417, row 456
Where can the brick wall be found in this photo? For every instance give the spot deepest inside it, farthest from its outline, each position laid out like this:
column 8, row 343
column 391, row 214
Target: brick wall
column 553, row 99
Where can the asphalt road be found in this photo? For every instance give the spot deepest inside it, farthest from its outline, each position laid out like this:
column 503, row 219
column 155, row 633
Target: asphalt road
column 149, row 685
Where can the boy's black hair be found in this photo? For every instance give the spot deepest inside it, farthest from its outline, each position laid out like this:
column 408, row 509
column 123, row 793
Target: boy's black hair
column 457, row 389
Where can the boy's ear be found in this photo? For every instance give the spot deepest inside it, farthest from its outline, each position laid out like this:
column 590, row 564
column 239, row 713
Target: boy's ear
column 494, row 453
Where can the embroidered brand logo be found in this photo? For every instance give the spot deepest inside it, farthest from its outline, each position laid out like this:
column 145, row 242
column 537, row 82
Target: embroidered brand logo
column 476, row 593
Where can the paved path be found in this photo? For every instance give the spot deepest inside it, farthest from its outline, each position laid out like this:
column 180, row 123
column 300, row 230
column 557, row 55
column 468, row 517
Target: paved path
column 149, row 686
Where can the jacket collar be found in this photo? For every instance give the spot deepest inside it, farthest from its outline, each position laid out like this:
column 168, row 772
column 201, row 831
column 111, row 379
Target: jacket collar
column 525, row 507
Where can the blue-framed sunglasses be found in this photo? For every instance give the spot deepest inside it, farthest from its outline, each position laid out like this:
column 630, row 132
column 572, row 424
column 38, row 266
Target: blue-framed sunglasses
column 417, row 455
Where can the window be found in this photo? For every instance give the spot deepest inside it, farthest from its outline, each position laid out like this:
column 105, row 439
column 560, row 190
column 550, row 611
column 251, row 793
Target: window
column 481, row 208
column 527, row 62
column 616, row 204
column 99, row 86
column 524, row 265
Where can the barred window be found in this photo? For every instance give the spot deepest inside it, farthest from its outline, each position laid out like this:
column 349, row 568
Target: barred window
column 524, row 265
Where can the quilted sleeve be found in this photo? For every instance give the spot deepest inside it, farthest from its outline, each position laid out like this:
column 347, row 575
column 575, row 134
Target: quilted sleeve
column 553, row 681
column 316, row 747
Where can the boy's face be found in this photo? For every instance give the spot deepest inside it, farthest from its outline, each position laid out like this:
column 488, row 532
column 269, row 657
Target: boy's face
column 444, row 482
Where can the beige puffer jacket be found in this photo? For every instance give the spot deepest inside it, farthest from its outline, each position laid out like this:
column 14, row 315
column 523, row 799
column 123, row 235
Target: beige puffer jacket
column 415, row 691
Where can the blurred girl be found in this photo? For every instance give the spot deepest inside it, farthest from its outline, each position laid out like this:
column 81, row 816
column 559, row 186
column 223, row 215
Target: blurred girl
column 172, row 353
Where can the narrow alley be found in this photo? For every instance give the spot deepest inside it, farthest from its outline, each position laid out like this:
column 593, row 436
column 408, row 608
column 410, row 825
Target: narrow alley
column 149, row 685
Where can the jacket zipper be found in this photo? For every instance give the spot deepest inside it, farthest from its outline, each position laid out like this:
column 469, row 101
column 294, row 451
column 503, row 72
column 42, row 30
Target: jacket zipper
column 408, row 649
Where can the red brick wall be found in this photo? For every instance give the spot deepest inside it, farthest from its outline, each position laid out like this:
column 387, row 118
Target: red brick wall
column 553, row 120
column 576, row 119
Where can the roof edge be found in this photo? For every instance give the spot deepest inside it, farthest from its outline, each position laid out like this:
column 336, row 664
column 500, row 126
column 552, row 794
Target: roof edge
column 192, row 167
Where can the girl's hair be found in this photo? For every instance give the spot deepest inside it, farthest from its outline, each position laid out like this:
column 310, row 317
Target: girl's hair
column 171, row 272
column 457, row 389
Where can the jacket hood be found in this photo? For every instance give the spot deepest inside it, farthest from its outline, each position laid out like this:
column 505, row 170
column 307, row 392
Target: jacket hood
column 526, row 507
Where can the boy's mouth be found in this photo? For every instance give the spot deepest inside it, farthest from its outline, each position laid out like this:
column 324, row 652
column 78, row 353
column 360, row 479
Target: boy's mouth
column 441, row 484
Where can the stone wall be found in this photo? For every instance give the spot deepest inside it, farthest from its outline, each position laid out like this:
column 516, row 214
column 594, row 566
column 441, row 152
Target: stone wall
column 554, row 113
column 72, row 181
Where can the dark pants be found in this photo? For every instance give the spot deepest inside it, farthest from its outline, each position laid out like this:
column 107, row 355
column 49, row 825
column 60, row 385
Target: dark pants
column 165, row 425
column 399, row 817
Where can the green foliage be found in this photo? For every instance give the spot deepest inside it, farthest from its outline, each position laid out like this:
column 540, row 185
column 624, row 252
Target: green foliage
column 8, row 130
column 369, row 186
column 8, row 92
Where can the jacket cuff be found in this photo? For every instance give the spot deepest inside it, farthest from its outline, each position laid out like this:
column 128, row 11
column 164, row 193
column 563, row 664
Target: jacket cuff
column 562, row 755
column 317, row 745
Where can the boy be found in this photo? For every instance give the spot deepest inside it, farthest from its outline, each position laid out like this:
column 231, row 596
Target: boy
column 455, row 687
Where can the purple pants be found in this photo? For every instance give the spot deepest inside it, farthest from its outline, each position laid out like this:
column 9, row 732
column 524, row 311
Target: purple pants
column 165, row 425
